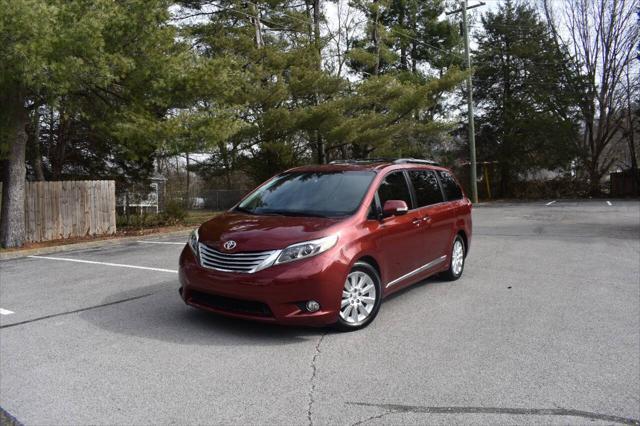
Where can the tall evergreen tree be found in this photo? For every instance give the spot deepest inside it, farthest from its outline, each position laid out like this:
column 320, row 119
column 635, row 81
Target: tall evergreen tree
column 275, row 51
column 292, row 107
column 526, row 112
column 101, row 63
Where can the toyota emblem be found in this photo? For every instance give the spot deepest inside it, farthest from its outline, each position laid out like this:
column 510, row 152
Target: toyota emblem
column 230, row 245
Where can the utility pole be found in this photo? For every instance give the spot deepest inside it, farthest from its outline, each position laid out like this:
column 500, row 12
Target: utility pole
column 472, row 132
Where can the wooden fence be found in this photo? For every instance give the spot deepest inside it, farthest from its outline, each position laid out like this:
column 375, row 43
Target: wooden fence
column 67, row 209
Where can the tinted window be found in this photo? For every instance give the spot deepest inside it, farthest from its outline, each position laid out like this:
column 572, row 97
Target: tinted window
column 394, row 187
column 310, row 194
column 426, row 187
column 451, row 189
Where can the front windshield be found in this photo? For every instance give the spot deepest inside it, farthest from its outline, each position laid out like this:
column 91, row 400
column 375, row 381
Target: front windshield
column 322, row 194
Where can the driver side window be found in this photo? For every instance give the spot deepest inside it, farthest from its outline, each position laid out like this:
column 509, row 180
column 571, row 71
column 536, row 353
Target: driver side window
column 394, row 187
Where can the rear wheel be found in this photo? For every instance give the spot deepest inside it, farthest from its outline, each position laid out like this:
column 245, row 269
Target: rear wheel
column 456, row 260
column 361, row 298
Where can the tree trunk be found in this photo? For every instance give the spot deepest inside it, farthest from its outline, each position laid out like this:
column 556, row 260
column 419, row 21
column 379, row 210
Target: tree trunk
column 631, row 139
column 594, row 178
column 316, row 29
column 36, row 162
column 634, row 163
column 12, row 230
column 322, row 158
column 255, row 20
column 60, row 149
column 403, row 46
column 376, row 40
column 227, row 174
column 188, row 204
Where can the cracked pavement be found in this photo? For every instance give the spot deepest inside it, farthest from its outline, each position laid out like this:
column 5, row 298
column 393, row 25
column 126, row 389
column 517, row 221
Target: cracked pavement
column 543, row 328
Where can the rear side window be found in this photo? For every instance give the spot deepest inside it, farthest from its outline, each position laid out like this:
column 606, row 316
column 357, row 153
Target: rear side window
column 451, row 188
column 426, row 187
column 394, row 187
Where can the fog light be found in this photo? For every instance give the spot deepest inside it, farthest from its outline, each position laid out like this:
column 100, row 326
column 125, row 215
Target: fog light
column 312, row 306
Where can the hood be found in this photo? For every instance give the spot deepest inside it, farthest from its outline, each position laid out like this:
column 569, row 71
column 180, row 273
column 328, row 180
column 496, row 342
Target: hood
column 258, row 233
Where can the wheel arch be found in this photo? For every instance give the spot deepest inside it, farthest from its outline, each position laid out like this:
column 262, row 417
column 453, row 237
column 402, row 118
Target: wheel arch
column 465, row 240
column 371, row 261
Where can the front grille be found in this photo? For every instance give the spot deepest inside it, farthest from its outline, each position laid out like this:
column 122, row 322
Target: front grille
column 229, row 304
column 245, row 262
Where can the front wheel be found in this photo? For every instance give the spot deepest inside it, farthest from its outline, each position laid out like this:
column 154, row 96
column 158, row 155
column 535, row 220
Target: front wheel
column 361, row 298
column 456, row 260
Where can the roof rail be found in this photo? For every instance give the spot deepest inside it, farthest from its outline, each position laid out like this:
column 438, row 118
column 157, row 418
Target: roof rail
column 415, row 160
column 386, row 160
column 362, row 161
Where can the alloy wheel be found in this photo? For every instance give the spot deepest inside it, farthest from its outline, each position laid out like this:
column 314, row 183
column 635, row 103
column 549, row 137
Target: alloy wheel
column 358, row 298
column 457, row 257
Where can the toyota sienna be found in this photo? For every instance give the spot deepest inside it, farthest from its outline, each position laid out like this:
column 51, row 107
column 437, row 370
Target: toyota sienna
column 323, row 245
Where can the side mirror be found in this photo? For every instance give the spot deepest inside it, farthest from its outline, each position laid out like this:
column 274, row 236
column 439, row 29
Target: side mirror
column 394, row 208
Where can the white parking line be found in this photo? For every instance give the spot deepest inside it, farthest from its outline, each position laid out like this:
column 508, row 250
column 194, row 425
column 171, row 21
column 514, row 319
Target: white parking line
column 120, row 265
column 609, row 202
column 6, row 312
column 550, row 202
column 160, row 242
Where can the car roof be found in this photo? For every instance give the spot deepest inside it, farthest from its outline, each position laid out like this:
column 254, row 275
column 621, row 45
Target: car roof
column 369, row 165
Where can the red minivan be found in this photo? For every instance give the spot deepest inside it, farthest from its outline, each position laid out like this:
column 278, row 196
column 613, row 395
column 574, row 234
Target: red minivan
column 323, row 245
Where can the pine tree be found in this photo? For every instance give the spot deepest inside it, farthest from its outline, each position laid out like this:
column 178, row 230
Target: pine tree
column 103, row 66
column 527, row 112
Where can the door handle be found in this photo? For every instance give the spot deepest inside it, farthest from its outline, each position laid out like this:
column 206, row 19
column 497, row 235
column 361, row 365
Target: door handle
column 427, row 219
column 416, row 222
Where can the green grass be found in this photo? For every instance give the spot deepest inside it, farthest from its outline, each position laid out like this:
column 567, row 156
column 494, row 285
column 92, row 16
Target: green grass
column 196, row 217
column 152, row 220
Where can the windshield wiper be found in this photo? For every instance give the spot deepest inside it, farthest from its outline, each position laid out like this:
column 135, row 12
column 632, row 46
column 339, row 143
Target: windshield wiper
column 243, row 210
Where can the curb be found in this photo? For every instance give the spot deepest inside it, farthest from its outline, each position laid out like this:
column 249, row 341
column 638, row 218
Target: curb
column 6, row 419
column 16, row 254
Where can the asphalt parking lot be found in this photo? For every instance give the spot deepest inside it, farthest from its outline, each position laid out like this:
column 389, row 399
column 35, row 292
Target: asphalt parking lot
column 543, row 328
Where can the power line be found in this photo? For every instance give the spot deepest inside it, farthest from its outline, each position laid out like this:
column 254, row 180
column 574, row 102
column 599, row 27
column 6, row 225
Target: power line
column 425, row 43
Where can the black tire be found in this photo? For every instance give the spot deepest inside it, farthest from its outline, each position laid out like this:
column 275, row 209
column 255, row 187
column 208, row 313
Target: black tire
column 371, row 272
column 450, row 274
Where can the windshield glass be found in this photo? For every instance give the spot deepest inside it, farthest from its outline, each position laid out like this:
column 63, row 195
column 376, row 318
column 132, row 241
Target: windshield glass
column 322, row 194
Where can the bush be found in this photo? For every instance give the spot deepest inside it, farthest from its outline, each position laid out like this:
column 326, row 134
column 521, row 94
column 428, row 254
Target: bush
column 560, row 187
column 144, row 220
column 174, row 211
column 174, row 214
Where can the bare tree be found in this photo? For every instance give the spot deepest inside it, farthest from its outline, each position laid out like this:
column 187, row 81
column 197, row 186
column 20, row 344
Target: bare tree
column 632, row 89
column 601, row 35
column 341, row 32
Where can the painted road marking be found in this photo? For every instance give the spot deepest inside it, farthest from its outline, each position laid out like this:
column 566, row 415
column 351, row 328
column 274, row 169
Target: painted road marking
column 609, row 202
column 120, row 265
column 6, row 312
column 160, row 242
column 550, row 202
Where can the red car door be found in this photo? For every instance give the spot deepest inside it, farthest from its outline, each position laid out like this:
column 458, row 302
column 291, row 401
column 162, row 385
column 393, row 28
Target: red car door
column 436, row 217
column 398, row 237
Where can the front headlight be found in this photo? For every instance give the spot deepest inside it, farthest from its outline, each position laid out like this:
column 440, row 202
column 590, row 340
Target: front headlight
column 307, row 249
column 193, row 241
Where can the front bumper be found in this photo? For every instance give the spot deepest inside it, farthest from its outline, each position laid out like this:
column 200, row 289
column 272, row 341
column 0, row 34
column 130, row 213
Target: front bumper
column 277, row 294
